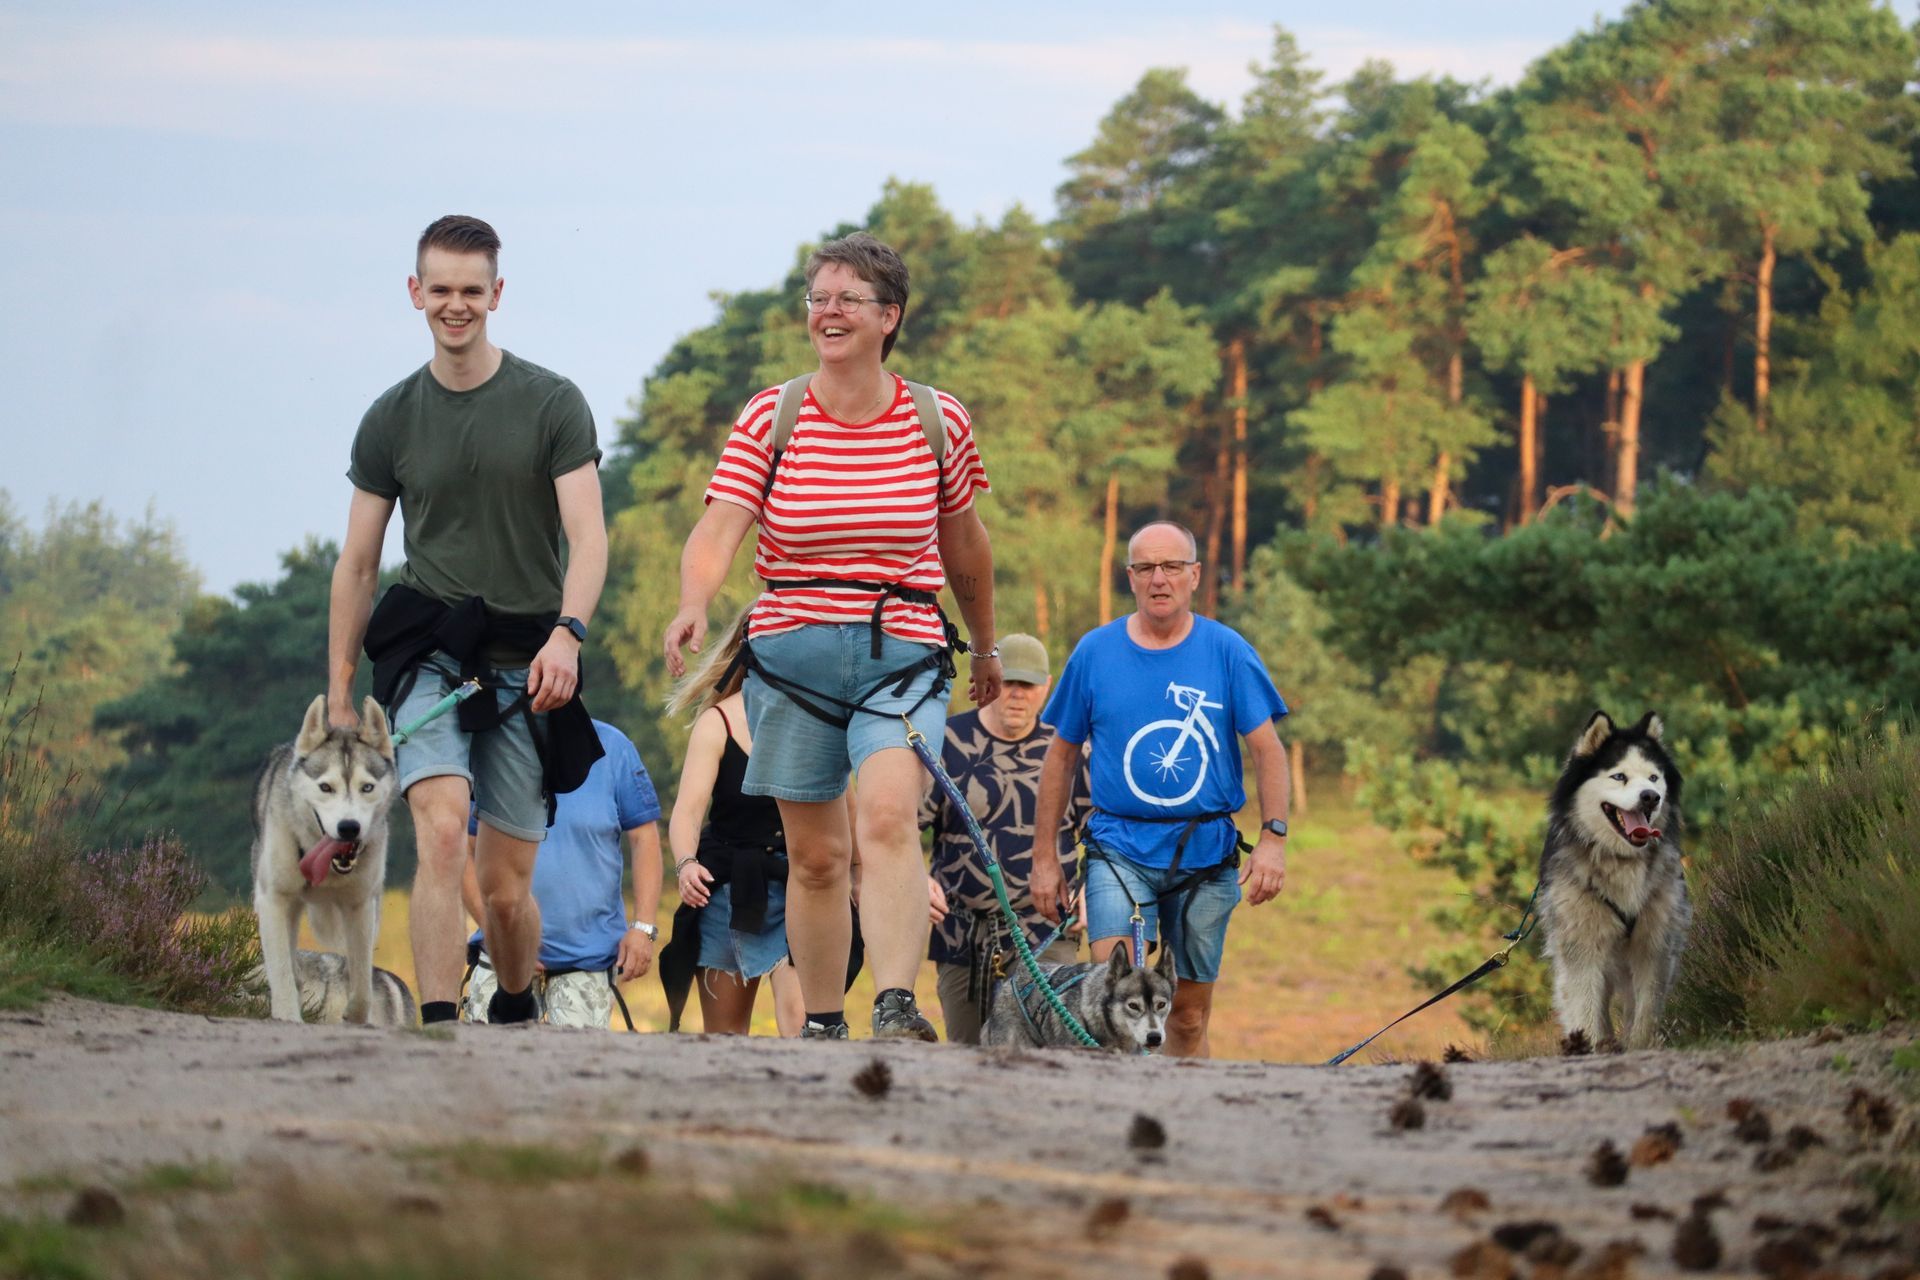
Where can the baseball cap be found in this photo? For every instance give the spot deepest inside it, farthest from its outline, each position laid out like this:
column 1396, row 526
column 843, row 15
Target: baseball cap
column 1024, row 658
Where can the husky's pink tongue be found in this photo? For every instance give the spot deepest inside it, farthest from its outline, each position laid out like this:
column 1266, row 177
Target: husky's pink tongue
column 1637, row 828
column 315, row 862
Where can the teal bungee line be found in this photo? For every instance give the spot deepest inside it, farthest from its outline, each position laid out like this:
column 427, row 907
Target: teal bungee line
column 918, row 742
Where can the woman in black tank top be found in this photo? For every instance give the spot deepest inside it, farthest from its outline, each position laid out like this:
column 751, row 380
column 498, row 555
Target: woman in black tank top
column 730, row 864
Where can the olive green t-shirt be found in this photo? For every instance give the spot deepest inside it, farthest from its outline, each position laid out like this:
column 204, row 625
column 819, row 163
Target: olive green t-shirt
column 473, row 472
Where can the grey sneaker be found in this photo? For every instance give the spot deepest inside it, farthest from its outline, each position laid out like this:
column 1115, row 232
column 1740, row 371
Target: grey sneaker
column 897, row 1017
column 811, row 1030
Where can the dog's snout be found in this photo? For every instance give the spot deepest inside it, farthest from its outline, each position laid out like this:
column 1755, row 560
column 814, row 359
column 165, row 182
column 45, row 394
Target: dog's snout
column 349, row 828
column 1649, row 801
column 1153, row 1039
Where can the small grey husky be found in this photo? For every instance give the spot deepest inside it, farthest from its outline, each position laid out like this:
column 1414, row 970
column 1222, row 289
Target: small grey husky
column 1613, row 895
column 324, row 986
column 320, row 846
column 1121, row 1006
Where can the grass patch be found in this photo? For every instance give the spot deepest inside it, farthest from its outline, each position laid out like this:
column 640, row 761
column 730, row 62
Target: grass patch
column 1810, row 916
column 203, row 1175
column 83, row 909
column 41, row 1249
column 529, row 1164
column 372, row 1226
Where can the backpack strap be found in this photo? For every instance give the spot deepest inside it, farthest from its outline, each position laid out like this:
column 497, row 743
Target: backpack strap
column 926, row 407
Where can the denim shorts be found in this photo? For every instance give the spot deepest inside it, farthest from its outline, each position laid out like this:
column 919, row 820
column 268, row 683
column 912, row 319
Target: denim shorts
column 749, row 955
column 501, row 766
column 798, row 756
column 1114, row 884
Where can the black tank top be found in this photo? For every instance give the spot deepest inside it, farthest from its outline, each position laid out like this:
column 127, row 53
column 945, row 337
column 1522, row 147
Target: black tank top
column 736, row 819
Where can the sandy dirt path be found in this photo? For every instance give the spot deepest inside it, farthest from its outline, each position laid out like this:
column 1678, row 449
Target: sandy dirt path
column 1265, row 1169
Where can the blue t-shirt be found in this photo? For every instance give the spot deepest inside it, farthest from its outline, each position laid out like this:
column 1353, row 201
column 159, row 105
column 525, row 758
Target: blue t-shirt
column 576, row 877
column 1165, row 726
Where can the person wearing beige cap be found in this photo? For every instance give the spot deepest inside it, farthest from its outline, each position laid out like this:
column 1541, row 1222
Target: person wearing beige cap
column 994, row 753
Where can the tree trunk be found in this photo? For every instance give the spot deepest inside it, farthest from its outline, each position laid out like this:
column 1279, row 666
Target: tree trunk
column 1626, row 466
column 1389, row 503
column 1217, row 518
column 1437, row 497
column 1237, row 353
column 1106, row 548
column 1297, row 767
column 1042, row 615
column 1763, row 332
column 1529, row 451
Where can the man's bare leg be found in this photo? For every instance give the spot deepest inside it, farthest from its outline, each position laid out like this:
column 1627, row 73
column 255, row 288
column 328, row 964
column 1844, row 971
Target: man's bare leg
column 434, row 913
column 819, row 911
column 504, row 867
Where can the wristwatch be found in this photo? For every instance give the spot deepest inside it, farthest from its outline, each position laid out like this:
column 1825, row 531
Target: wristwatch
column 574, row 625
column 652, row 931
column 1276, row 825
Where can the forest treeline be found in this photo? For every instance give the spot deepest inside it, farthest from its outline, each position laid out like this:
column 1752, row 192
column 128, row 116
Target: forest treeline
column 1487, row 406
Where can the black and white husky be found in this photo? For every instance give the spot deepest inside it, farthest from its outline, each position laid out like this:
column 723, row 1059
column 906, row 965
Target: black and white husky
column 1613, row 896
column 320, row 846
column 1121, row 1006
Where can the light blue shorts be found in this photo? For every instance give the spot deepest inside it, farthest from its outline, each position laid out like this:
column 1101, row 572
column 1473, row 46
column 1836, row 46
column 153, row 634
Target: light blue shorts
column 798, row 756
column 750, row 955
column 1115, row 883
column 501, row 766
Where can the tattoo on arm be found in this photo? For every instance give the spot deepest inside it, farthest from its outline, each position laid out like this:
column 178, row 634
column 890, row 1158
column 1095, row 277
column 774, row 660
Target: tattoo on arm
column 965, row 586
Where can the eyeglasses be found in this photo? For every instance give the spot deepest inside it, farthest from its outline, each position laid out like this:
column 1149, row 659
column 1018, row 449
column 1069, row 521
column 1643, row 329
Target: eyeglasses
column 820, row 300
column 1145, row 568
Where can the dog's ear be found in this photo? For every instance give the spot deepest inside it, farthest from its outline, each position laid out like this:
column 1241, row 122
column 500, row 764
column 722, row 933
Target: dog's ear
column 373, row 728
column 1163, row 964
column 1650, row 726
column 1120, row 962
column 313, row 729
column 1599, row 729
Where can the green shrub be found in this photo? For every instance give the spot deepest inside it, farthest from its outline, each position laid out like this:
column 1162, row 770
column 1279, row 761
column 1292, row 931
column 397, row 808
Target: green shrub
column 83, row 910
column 1809, row 912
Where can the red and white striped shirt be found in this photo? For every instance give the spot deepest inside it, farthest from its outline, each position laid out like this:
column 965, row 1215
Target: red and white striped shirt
column 850, row 502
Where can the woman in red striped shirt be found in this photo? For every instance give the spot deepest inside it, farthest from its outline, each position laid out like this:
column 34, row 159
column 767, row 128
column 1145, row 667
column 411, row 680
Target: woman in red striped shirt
column 861, row 524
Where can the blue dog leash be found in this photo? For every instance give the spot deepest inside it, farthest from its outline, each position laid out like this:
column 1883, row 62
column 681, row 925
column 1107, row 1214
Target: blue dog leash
column 437, row 710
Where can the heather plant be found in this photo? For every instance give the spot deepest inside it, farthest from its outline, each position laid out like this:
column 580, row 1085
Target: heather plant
column 84, row 910
column 1809, row 912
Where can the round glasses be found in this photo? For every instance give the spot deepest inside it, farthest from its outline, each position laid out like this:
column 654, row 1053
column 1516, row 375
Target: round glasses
column 821, row 300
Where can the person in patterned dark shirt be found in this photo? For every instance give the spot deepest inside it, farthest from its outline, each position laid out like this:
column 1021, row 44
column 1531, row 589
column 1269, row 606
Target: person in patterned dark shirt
column 994, row 755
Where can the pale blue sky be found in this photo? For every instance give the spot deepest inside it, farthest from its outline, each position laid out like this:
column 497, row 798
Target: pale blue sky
column 209, row 209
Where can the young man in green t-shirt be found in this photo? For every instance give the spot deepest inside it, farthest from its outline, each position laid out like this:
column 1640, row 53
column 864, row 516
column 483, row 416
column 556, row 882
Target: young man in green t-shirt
column 490, row 459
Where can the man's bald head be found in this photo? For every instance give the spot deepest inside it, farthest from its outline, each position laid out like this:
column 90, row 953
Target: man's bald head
column 1193, row 545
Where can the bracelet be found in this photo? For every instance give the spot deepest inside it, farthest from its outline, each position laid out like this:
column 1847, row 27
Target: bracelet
column 683, row 864
column 991, row 653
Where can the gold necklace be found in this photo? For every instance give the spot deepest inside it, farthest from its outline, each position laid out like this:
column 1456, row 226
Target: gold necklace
column 875, row 403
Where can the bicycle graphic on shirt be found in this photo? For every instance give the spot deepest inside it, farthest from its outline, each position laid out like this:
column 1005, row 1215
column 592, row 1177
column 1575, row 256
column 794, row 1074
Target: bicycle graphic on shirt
column 1166, row 742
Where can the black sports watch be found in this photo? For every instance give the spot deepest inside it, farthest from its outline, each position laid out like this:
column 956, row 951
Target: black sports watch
column 574, row 625
column 1276, row 825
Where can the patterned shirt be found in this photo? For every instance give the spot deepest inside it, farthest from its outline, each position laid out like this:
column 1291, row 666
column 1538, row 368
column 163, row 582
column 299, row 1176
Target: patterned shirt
column 1001, row 781
column 851, row 501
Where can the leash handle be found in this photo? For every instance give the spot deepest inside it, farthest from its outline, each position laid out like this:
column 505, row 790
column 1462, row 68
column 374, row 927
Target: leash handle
column 437, row 710
column 1139, row 926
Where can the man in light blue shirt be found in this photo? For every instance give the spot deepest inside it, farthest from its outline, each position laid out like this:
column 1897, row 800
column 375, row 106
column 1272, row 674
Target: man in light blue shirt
column 1161, row 696
column 586, row 942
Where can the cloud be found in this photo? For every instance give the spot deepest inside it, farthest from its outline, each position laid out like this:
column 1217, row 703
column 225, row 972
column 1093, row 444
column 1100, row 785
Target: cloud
column 254, row 86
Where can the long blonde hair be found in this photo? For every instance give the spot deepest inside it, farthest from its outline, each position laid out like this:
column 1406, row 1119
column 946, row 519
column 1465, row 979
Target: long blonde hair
column 716, row 678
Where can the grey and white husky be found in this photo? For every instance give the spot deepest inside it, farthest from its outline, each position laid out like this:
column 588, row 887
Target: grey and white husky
column 320, row 846
column 325, row 986
column 1122, row 1006
column 1613, row 896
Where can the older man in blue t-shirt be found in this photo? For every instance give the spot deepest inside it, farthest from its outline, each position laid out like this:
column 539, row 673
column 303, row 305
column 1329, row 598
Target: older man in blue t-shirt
column 586, row 942
column 1161, row 694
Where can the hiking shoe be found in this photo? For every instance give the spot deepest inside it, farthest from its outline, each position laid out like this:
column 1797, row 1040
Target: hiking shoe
column 897, row 1017
column 811, row 1030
